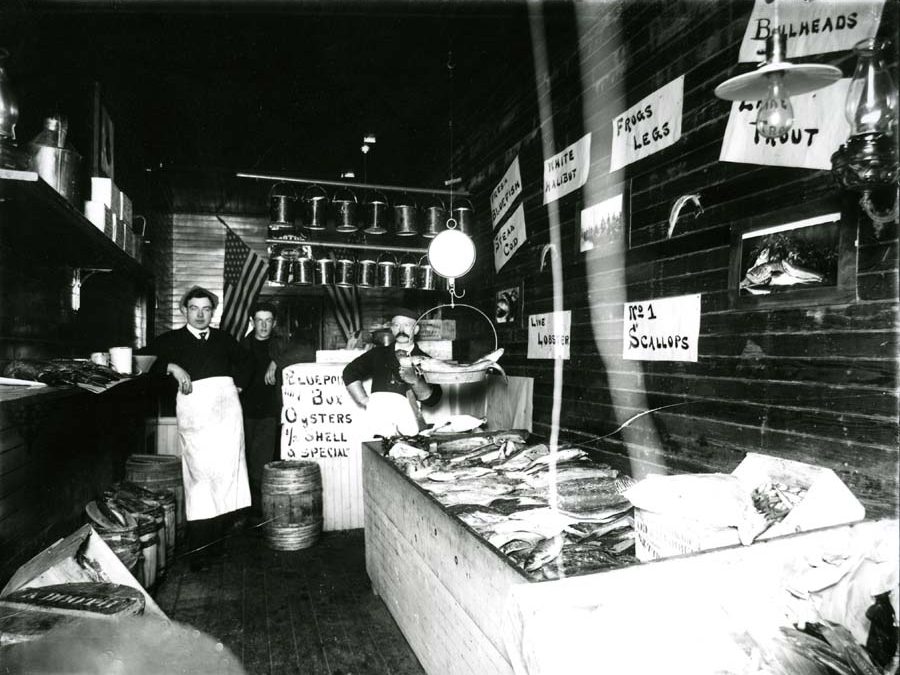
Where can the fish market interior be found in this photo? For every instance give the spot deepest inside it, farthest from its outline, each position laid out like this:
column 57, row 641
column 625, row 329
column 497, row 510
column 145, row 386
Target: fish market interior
column 525, row 337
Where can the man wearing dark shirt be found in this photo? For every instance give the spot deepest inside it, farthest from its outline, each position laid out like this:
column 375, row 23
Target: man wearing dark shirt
column 208, row 366
column 397, row 390
column 261, row 398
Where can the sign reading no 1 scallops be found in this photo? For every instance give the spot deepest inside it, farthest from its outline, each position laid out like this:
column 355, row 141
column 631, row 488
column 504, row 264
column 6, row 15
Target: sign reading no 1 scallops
column 546, row 339
column 509, row 238
column 506, row 191
column 666, row 329
column 647, row 127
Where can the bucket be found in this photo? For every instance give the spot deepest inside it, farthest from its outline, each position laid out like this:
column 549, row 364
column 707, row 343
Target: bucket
column 387, row 271
column 406, row 216
column 376, row 213
column 409, row 270
column 302, row 272
column 279, row 270
column 344, row 204
column 292, row 500
column 435, row 217
column 325, row 271
column 315, row 205
column 346, row 271
column 146, row 532
column 120, row 359
column 366, row 272
column 159, row 473
column 426, row 274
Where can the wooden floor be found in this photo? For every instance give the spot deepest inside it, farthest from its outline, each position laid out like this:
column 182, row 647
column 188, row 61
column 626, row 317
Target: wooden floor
column 310, row 611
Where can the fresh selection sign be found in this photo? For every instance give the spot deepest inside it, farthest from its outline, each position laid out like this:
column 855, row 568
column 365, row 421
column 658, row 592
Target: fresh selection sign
column 648, row 127
column 568, row 170
column 811, row 27
column 506, row 192
column 819, row 129
column 666, row 329
column 509, row 238
column 549, row 339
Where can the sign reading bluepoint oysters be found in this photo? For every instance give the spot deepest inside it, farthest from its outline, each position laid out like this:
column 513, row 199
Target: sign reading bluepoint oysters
column 651, row 125
column 568, row 170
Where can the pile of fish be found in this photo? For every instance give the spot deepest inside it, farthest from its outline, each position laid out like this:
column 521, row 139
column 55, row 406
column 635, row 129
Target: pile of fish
column 60, row 372
column 553, row 514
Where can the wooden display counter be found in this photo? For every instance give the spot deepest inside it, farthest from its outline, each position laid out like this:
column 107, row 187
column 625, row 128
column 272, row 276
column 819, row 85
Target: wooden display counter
column 465, row 609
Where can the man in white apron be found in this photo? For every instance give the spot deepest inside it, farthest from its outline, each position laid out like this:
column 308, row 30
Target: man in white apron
column 205, row 362
column 392, row 407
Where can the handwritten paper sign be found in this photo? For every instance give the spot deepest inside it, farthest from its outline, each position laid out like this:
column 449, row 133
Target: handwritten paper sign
column 568, row 170
column 506, row 191
column 811, row 27
column 509, row 238
column 666, row 329
column 647, row 127
column 319, row 419
column 819, row 129
column 549, row 339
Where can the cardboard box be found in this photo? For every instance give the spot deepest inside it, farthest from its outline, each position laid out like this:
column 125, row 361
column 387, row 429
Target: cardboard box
column 827, row 502
column 105, row 191
column 100, row 215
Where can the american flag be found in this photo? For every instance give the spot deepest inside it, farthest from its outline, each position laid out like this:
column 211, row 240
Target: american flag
column 245, row 274
column 344, row 301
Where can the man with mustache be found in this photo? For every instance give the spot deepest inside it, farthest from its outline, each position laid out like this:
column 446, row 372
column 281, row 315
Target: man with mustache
column 397, row 391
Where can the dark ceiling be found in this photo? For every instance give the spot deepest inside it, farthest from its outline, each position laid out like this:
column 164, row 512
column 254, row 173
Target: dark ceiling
column 288, row 87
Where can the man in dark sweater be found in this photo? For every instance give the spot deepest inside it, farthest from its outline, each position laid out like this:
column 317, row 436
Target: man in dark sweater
column 261, row 398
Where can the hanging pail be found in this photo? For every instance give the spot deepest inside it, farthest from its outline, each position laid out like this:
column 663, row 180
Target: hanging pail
column 158, row 473
column 406, row 215
column 302, row 271
column 409, row 271
column 366, row 269
column 464, row 213
column 376, row 213
column 345, row 271
column 292, row 501
column 426, row 274
column 281, row 205
column 279, row 270
column 387, row 271
column 344, row 205
column 435, row 217
column 315, row 203
column 325, row 271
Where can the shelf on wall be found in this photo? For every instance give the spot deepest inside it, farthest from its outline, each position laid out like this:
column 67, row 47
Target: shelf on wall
column 49, row 220
column 350, row 245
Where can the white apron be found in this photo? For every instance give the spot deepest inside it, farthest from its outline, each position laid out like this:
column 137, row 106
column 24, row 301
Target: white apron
column 388, row 414
column 211, row 435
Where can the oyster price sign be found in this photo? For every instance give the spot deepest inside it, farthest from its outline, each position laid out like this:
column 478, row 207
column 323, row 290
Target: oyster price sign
column 666, row 329
column 319, row 419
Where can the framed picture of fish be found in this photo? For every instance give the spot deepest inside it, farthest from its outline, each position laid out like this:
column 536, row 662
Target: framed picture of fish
column 508, row 304
column 795, row 256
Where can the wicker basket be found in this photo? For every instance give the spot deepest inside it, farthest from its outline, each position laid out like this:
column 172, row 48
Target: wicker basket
column 462, row 376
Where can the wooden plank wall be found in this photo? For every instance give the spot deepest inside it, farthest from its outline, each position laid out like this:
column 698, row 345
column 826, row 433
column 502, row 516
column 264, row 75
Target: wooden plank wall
column 811, row 381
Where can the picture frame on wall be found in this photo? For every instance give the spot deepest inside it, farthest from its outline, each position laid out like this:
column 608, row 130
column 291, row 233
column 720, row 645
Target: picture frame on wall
column 103, row 142
column 606, row 222
column 509, row 305
column 794, row 257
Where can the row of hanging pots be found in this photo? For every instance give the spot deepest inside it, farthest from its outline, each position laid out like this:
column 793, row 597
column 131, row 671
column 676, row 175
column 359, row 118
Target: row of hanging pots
column 374, row 215
column 342, row 270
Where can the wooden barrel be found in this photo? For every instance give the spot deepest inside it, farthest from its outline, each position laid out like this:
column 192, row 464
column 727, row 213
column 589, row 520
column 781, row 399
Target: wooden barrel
column 159, row 473
column 292, row 500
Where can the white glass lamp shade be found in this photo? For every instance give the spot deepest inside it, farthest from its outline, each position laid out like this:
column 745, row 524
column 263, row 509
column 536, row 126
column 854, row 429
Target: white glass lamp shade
column 451, row 254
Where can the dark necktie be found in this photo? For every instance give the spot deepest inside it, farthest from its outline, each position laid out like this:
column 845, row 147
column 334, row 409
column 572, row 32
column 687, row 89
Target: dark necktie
column 203, row 335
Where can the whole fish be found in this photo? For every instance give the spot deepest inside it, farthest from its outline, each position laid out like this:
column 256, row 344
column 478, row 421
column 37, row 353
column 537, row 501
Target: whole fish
column 546, row 551
column 560, row 457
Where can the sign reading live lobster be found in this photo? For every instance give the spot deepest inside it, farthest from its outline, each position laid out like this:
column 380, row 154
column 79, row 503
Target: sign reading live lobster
column 651, row 125
column 810, row 27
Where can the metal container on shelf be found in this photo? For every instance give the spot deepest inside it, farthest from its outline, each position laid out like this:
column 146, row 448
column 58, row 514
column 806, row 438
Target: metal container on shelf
column 315, row 203
column 281, row 210
column 55, row 160
column 464, row 213
column 366, row 267
column 387, row 271
column 376, row 213
column 279, row 270
column 344, row 203
column 324, row 269
column 406, row 216
column 302, row 271
column 426, row 275
column 345, row 270
column 409, row 272
column 435, row 217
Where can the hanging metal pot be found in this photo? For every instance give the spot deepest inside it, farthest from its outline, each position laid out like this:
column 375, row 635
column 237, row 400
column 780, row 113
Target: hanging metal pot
column 387, row 271
column 345, row 270
column 315, row 205
column 409, row 272
column 281, row 204
column 435, row 217
column 406, row 216
column 366, row 267
column 279, row 270
column 302, row 271
column 426, row 274
column 344, row 204
column 325, row 270
column 376, row 213
column 464, row 213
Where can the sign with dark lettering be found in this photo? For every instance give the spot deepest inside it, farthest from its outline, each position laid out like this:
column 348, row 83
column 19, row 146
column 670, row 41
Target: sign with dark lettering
column 549, row 335
column 811, row 27
column 819, row 129
column 647, row 127
column 509, row 238
column 568, row 170
column 666, row 329
column 506, row 192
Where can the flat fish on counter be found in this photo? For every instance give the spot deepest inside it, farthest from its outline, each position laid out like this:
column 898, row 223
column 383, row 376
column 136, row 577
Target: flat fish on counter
column 509, row 505
column 570, row 471
column 560, row 456
column 590, row 494
column 459, row 474
column 522, row 458
column 546, row 551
